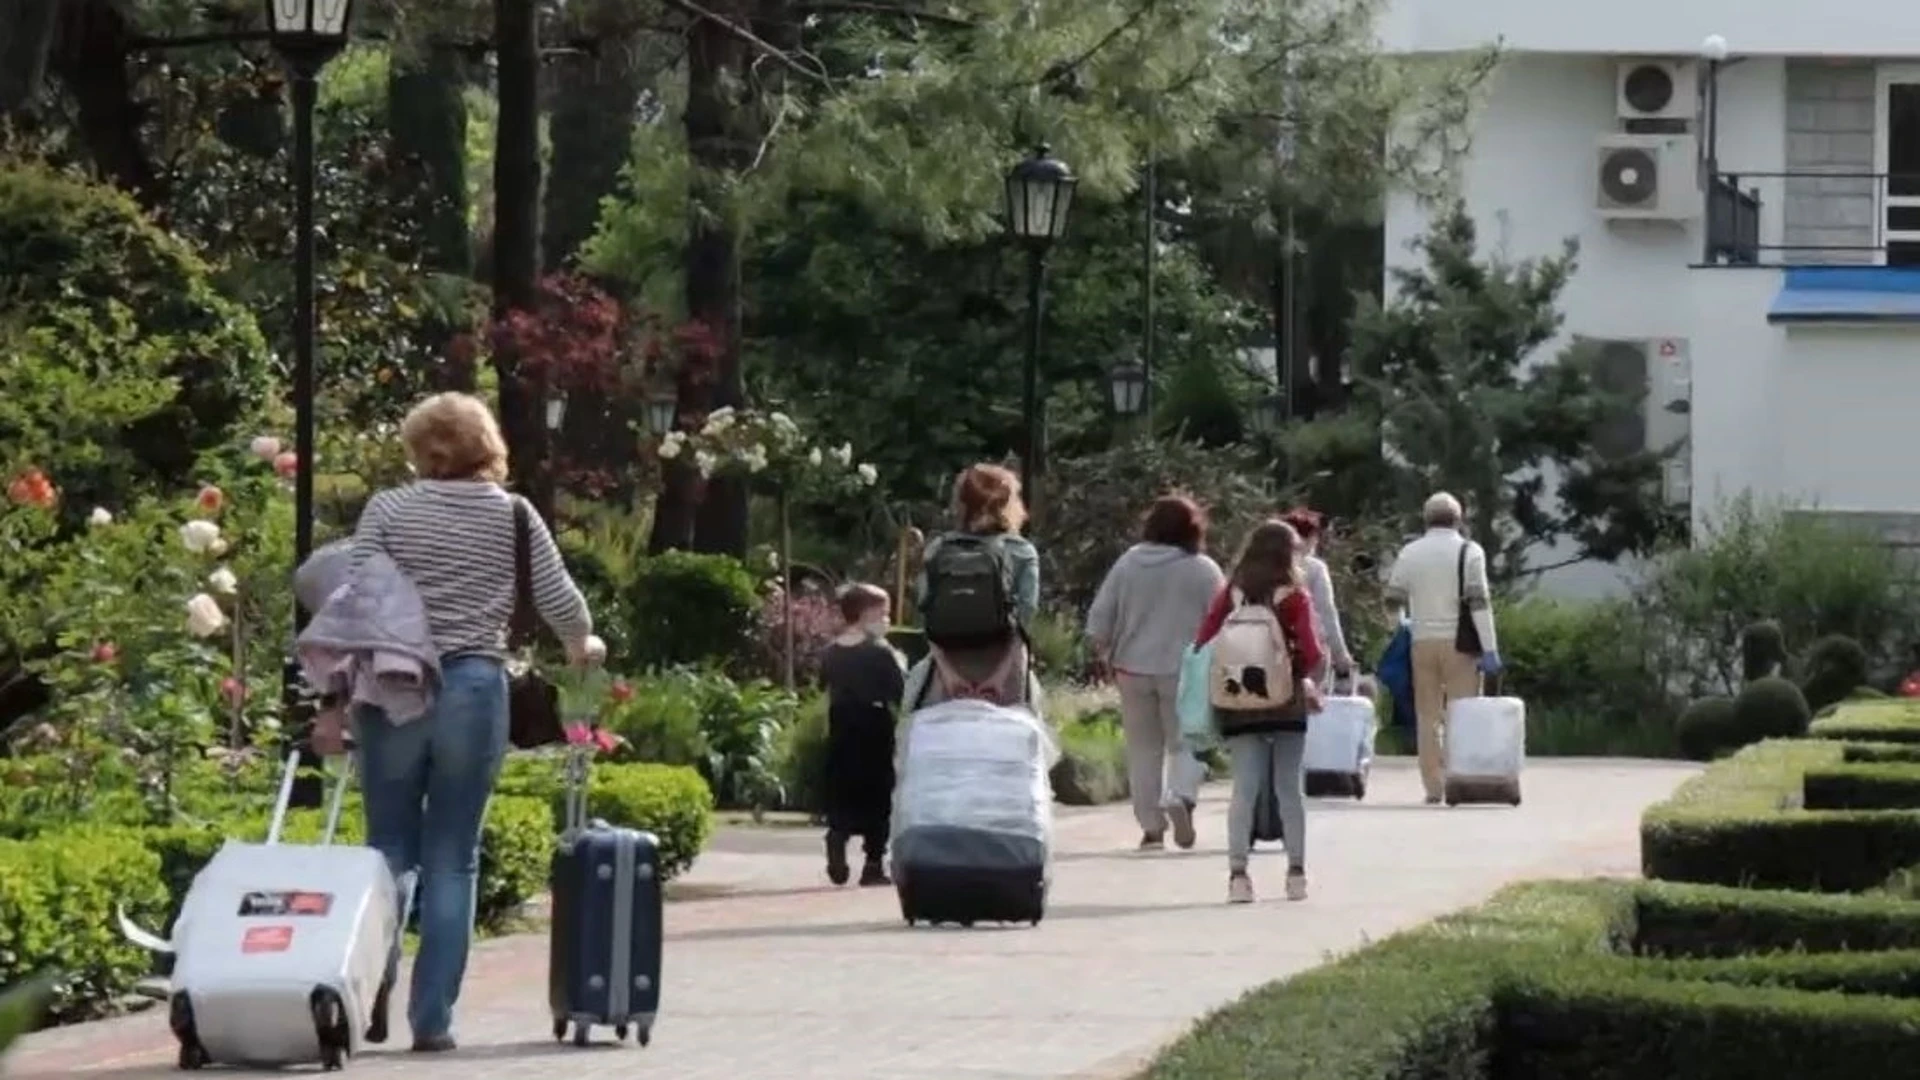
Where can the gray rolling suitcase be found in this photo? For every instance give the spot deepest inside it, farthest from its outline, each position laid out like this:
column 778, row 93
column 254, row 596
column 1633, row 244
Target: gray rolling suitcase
column 283, row 951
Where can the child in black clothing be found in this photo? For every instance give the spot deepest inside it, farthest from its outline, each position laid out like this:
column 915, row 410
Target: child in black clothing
column 864, row 678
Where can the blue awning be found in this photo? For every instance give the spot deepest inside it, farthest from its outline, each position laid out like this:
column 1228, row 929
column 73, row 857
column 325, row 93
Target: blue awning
column 1847, row 294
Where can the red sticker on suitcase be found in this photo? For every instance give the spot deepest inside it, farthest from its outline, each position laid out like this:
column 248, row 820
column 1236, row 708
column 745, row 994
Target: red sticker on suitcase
column 267, row 939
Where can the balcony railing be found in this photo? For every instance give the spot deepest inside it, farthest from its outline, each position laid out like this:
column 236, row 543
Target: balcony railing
column 1812, row 218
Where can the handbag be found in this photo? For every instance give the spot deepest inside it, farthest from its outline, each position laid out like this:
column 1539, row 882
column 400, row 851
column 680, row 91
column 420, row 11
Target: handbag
column 1190, row 699
column 1466, row 636
column 533, row 701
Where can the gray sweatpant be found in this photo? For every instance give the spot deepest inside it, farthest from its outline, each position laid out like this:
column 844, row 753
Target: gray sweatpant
column 1253, row 756
column 1159, row 768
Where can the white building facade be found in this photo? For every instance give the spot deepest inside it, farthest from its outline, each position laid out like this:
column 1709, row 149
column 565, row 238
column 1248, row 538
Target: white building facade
column 1764, row 278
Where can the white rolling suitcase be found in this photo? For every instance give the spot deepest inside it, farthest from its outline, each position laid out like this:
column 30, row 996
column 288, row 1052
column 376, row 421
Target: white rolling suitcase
column 1339, row 749
column 281, row 951
column 1486, row 748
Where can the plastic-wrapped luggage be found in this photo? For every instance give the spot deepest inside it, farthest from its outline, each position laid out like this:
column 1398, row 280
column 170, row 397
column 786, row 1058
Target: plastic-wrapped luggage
column 1339, row 749
column 608, row 922
column 1486, row 748
column 973, row 814
column 282, row 951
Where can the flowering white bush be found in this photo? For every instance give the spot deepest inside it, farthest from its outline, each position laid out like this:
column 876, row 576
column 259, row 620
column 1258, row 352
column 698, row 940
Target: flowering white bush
column 767, row 446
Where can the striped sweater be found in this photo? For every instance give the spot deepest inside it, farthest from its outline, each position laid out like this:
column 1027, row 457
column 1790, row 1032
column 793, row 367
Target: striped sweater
column 454, row 539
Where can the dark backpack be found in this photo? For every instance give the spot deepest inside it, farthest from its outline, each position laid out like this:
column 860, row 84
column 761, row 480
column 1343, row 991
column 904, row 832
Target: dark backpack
column 969, row 599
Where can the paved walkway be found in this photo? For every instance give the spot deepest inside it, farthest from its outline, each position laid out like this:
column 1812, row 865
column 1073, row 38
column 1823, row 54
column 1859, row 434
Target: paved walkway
column 785, row 978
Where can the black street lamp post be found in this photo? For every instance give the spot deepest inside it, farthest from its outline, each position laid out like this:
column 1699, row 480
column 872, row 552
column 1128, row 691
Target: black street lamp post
column 1039, row 194
column 306, row 34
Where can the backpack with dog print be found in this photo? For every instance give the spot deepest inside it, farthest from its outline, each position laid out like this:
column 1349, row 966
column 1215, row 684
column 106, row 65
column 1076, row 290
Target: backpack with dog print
column 1252, row 667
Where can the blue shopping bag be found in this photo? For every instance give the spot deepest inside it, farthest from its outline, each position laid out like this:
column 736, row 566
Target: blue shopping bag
column 1192, row 701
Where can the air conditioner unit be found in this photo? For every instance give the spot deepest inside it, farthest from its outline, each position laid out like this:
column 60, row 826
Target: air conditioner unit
column 1647, row 178
column 1658, row 373
column 1656, row 90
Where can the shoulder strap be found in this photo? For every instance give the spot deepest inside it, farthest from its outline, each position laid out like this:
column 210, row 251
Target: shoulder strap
column 523, row 626
column 1460, row 568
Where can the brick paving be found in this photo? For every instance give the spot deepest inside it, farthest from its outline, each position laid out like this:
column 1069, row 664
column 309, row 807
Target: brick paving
column 777, row 976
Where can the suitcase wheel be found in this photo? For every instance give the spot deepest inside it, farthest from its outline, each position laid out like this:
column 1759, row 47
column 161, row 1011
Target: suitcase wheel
column 643, row 1035
column 193, row 1056
column 559, row 1029
column 1360, row 788
column 620, row 1032
column 581, row 1034
column 1513, row 793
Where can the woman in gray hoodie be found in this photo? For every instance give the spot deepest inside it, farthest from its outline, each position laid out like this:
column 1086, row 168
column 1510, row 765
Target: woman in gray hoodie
column 1143, row 618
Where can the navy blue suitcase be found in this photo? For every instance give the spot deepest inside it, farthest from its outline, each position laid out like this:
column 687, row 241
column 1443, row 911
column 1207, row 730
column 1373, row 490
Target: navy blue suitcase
column 607, row 924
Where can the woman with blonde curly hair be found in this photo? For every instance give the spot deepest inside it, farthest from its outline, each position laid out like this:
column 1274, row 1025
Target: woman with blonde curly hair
column 452, row 532
column 979, row 589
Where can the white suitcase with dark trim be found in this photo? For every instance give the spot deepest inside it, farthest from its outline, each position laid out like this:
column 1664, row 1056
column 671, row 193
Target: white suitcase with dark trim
column 281, row 951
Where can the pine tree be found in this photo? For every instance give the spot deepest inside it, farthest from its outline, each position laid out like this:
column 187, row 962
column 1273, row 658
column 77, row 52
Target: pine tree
column 1448, row 367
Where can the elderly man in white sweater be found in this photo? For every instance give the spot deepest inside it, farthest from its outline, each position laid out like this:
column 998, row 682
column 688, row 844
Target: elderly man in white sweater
column 1440, row 580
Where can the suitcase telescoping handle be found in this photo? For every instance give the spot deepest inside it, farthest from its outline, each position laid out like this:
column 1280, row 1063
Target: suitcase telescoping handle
column 334, row 801
column 574, row 776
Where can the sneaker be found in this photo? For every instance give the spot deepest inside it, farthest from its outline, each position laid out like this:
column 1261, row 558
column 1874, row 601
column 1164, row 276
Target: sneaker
column 1296, row 884
column 1153, row 841
column 874, row 873
column 435, row 1044
column 1239, row 888
column 837, row 869
column 1181, row 814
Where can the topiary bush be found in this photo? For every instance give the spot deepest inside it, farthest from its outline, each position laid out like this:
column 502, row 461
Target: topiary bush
column 1833, row 668
column 1763, row 650
column 1707, row 728
column 1770, row 708
column 687, row 608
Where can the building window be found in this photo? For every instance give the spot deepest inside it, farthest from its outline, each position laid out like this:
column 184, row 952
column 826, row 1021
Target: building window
column 1899, row 154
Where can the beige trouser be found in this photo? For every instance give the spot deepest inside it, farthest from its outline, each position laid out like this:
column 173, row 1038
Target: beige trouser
column 1158, row 764
column 1440, row 674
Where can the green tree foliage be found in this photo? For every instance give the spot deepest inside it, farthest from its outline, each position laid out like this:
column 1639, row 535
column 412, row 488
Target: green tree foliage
column 1449, row 367
column 82, row 261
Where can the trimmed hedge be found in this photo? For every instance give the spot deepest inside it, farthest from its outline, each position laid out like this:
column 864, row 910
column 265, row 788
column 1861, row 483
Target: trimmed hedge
column 1714, row 921
column 59, row 899
column 1742, row 823
column 1872, row 753
column 1540, row 982
column 1890, row 720
column 670, row 801
column 1880, row 786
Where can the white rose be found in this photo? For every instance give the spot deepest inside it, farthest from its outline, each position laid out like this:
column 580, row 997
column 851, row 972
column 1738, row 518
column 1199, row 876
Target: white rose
column 868, row 474
column 222, row 581
column 200, row 536
column 755, row 459
column 265, row 447
column 814, row 456
column 204, row 617
column 100, row 517
column 704, row 461
column 784, row 422
column 843, row 453
column 219, row 547
column 671, row 446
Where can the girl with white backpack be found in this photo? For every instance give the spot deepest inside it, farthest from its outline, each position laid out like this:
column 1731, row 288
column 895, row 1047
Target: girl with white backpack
column 1260, row 638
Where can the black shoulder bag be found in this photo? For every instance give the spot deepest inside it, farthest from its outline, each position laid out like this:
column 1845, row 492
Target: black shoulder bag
column 1466, row 636
column 533, row 702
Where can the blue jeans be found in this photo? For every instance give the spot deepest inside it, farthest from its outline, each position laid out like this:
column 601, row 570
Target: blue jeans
column 426, row 785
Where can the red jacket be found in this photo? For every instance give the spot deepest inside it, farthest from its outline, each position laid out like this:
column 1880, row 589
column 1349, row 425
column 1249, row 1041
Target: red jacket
column 1296, row 619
